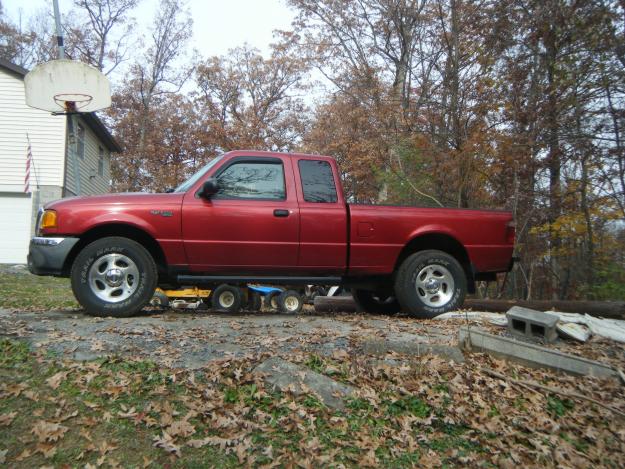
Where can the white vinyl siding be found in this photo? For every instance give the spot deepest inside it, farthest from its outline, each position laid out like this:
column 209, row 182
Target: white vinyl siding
column 90, row 180
column 47, row 137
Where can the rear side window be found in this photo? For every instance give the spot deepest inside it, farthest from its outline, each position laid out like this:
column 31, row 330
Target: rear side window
column 317, row 181
column 263, row 181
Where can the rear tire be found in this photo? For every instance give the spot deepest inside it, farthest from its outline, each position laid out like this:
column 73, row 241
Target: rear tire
column 429, row 283
column 113, row 276
column 227, row 299
column 290, row 302
column 376, row 303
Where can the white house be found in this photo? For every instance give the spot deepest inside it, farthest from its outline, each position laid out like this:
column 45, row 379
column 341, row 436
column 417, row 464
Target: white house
column 51, row 174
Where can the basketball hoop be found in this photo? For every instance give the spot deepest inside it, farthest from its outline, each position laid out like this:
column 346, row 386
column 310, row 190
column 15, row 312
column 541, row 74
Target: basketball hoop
column 72, row 102
column 67, row 87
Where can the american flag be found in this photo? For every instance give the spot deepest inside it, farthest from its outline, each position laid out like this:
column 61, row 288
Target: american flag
column 29, row 160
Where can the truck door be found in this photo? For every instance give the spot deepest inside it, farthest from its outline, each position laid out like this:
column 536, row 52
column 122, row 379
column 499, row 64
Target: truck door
column 251, row 225
column 323, row 218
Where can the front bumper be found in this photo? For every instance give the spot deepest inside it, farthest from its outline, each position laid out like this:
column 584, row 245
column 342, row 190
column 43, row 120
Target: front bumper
column 46, row 256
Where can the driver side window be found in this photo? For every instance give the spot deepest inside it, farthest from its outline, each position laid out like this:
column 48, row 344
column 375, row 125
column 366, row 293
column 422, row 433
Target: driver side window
column 252, row 181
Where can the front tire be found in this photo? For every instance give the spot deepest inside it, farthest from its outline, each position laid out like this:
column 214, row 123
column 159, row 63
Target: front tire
column 429, row 283
column 113, row 276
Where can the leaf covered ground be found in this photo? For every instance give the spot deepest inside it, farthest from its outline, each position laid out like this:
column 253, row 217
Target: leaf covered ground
column 120, row 412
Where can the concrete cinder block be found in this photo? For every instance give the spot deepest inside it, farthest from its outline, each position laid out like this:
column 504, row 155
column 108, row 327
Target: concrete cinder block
column 530, row 324
column 532, row 355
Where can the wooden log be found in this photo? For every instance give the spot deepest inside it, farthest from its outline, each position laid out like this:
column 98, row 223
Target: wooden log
column 335, row 304
column 605, row 309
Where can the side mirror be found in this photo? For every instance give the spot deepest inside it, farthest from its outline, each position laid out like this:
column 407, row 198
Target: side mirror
column 209, row 188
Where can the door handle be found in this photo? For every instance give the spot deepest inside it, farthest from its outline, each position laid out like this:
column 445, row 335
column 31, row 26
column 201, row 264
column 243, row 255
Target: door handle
column 280, row 213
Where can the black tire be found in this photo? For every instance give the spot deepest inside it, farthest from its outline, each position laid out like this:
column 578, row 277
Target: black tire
column 99, row 267
column 290, row 302
column 441, row 272
column 160, row 300
column 227, row 299
column 271, row 301
column 375, row 302
column 254, row 301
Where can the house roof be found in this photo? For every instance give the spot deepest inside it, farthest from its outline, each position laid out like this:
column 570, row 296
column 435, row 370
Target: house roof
column 90, row 118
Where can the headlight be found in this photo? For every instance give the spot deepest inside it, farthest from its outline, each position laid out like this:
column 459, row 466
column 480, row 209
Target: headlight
column 48, row 220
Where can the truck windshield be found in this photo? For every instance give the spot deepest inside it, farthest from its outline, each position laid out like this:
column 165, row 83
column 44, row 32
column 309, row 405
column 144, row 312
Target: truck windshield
column 185, row 186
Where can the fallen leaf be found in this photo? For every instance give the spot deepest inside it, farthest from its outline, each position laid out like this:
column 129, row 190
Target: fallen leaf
column 6, row 419
column 48, row 431
column 166, row 442
column 46, row 449
column 55, row 380
column 26, row 453
column 181, row 428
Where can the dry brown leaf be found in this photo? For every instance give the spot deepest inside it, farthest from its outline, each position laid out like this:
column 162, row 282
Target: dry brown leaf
column 128, row 414
column 104, row 447
column 55, row 380
column 26, row 453
column 166, row 442
column 181, row 428
column 7, row 419
column 46, row 449
column 48, row 431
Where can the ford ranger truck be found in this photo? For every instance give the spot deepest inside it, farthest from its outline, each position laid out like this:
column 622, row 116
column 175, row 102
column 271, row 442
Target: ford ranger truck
column 272, row 218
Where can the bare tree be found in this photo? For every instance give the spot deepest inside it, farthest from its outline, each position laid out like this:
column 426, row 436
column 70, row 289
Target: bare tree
column 99, row 32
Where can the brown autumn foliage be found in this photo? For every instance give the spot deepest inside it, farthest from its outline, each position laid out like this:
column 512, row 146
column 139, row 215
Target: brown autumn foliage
column 514, row 104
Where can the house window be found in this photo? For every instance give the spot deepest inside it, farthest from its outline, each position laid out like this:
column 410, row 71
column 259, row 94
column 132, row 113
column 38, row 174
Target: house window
column 101, row 161
column 80, row 141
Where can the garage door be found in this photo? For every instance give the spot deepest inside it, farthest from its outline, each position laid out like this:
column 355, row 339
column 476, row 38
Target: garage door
column 15, row 216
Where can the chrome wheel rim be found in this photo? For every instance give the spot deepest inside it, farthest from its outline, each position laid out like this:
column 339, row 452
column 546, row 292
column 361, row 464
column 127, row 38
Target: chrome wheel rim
column 435, row 285
column 226, row 299
column 113, row 278
column 291, row 304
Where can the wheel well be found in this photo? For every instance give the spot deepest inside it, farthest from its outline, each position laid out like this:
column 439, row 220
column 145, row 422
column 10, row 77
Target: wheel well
column 124, row 231
column 441, row 242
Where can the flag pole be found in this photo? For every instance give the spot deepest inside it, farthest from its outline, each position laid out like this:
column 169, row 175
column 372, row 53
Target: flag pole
column 30, row 161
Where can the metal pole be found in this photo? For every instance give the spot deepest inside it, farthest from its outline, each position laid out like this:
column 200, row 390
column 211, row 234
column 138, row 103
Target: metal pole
column 59, row 31
column 72, row 147
column 71, row 122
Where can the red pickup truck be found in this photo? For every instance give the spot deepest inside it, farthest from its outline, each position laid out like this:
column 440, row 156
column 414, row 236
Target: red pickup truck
column 269, row 218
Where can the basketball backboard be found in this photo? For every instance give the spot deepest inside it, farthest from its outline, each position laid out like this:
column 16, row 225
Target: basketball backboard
column 62, row 86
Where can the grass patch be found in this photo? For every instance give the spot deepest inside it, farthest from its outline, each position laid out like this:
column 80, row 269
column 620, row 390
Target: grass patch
column 135, row 413
column 558, row 407
column 24, row 291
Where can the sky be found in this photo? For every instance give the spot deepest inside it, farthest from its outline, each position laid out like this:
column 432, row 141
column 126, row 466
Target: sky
column 218, row 25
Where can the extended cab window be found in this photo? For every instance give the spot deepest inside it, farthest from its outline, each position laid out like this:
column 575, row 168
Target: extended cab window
column 317, row 181
column 248, row 180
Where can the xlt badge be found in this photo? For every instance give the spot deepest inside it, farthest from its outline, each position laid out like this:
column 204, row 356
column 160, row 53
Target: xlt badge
column 164, row 213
